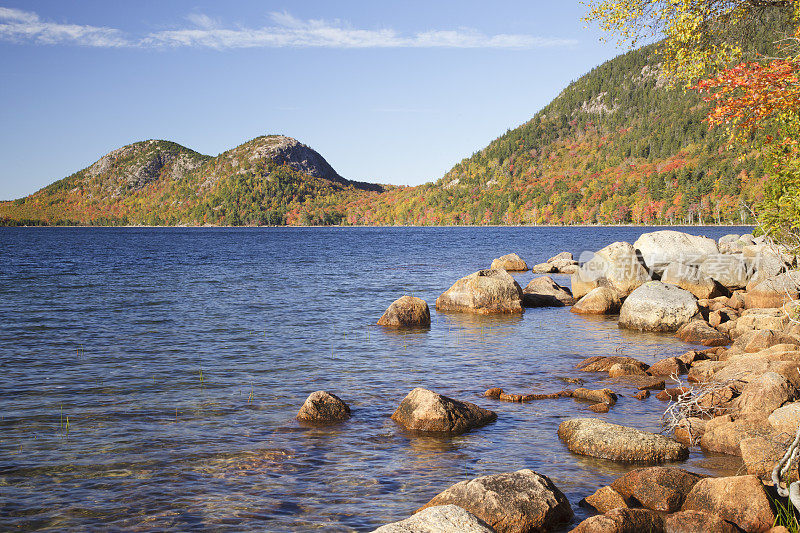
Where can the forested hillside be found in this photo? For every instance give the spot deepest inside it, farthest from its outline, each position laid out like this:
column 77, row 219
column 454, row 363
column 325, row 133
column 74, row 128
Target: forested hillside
column 616, row 146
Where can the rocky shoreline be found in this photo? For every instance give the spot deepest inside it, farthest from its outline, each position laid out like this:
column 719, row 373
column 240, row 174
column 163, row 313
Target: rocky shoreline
column 738, row 395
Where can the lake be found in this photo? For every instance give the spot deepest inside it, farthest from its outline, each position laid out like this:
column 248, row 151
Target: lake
column 150, row 376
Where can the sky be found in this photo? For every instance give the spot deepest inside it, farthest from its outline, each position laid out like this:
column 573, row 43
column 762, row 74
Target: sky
column 387, row 91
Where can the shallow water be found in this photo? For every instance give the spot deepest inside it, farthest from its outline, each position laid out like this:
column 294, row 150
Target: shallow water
column 150, row 376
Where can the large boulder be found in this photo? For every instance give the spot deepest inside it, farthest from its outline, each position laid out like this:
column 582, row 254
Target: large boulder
column 761, row 454
column 731, row 271
column 657, row 487
column 439, row 519
column 596, row 438
column 514, row 502
column 656, row 306
column 544, row 292
column 406, row 311
column 774, row 291
column 616, row 266
column 763, row 395
column 660, row 248
column 425, row 411
column 322, row 406
column 766, row 260
column 690, row 278
column 510, row 262
column 484, row 292
column 741, row 500
column 786, row 419
column 599, row 301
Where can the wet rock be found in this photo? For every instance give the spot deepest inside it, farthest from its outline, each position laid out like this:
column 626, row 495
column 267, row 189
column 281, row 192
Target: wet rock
column 606, row 396
column 763, row 395
column 660, row 248
column 441, row 519
column 599, row 301
column 786, row 419
column 656, row 306
column 544, row 292
column 642, row 395
column 624, row 369
column 657, row 488
column 426, row 411
column 600, row 408
column 697, row 522
column 483, row 292
column 497, row 393
column 690, row 278
column 700, row 332
column 510, row 263
column 774, row 291
column 407, row 311
column 691, row 356
column 654, row 383
column 671, row 394
column 738, row 499
column 671, row 366
column 603, row 363
column 322, row 406
column 596, row 438
column 604, row 499
column 616, row 266
column 690, row 430
column 623, row 521
column 515, row 502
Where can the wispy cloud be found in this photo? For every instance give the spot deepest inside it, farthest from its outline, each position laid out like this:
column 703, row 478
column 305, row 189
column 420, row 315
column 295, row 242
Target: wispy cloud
column 286, row 31
column 26, row 27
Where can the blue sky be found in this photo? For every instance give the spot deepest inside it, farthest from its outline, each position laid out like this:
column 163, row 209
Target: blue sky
column 387, row 91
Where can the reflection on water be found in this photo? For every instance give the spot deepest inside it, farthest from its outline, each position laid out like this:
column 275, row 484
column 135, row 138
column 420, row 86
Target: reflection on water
column 151, row 376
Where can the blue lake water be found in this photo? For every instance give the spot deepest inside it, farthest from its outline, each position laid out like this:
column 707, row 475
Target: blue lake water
column 149, row 377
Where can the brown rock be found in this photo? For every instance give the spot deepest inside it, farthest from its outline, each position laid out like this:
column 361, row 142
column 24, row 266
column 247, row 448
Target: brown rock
column 700, row 332
column 763, row 395
column 726, row 436
column 604, row 499
column 671, row 394
column 599, row 301
column 757, row 340
column 654, row 383
column 786, row 419
column 544, row 292
column 510, row 263
column 322, row 406
column 606, row 396
column 603, row 363
column 514, row 502
column 624, row 369
column 407, row 311
column 657, row 488
column 774, row 291
column 425, row 411
column 596, row 438
column 600, row 408
column 671, row 366
column 623, row 521
column 642, row 395
column 697, row 522
column 738, row 499
column 499, row 394
column 691, row 356
column 761, row 454
column 483, row 292
column 736, row 301
column 690, row 430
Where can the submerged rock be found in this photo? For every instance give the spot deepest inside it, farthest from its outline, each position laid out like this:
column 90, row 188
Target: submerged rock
column 322, row 406
column 514, row 502
column 407, row 311
column 510, row 262
column 484, row 292
column 425, row 411
column 599, row 301
column 656, row 306
column 441, row 519
column 596, row 438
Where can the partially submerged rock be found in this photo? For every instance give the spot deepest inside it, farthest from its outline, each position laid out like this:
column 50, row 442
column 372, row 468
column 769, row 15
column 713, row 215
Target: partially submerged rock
column 439, row 519
column 596, row 438
column 483, row 292
column 599, row 301
column 603, row 363
column 406, row 311
column 510, row 263
column 605, row 396
column 514, row 502
column 322, row 406
column 544, row 292
column 425, row 411
column 656, row 306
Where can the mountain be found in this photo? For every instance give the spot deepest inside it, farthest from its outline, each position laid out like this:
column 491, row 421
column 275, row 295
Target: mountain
column 270, row 179
column 618, row 145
